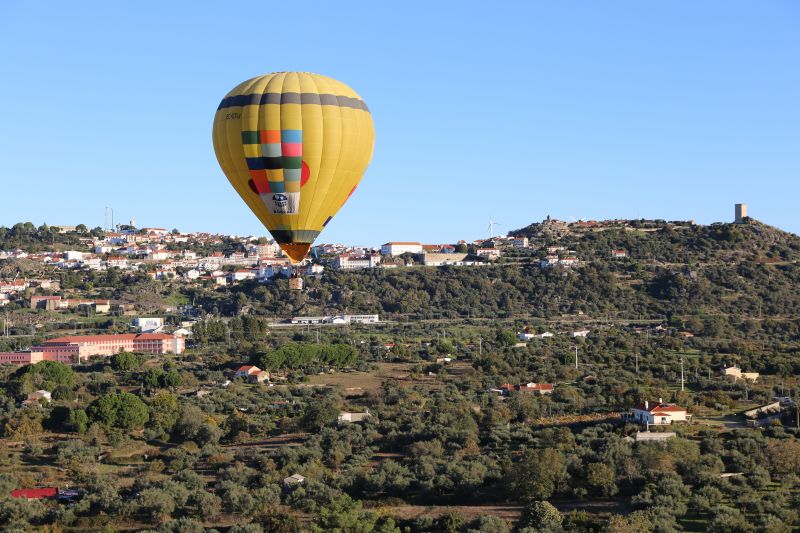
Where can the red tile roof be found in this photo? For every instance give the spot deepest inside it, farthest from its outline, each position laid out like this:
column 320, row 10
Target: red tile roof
column 79, row 339
column 660, row 407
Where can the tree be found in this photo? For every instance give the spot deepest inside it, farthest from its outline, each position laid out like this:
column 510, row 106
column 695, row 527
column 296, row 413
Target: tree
column 601, row 479
column 636, row 522
column 343, row 514
column 125, row 361
column 506, row 337
column 537, row 475
column 156, row 503
column 78, row 420
column 784, row 456
column 320, row 413
column 729, row 520
column 164, row 412
column 490, row 524
column 122, row 410
column 278, row 522
column 45, row 375
column 542, row 516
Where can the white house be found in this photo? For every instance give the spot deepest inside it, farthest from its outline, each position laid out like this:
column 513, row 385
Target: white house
column 158, row 255
column 580, row 333
column 34, row 397
column 619, row 254
column 570, row 261
column 401, row 247
column 246, row 371
column 345, row 417
column 294, row 479
column 117, row 261
column 521, row 242
column 258, row 377
column 736, row 373
column 658, row 414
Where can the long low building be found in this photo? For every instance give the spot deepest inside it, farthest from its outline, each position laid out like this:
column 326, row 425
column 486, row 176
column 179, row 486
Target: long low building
column 336, row 319
column 79, row 348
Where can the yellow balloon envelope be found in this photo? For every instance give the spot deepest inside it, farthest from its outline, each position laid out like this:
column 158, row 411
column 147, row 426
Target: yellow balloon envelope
column 294, row 145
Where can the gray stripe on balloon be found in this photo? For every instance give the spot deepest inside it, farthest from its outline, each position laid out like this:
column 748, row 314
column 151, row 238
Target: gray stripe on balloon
column 292, row 98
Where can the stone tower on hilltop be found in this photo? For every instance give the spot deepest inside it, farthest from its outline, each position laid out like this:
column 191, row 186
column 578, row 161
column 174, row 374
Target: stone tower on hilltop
column 741, row 213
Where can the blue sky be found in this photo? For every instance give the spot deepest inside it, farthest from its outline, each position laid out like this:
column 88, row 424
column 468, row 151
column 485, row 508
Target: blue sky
column 509, row 110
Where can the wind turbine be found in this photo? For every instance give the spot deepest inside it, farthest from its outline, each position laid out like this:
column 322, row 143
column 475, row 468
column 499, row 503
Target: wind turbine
column 492, row 224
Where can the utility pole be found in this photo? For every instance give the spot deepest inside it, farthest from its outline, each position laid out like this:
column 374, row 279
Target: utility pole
column 797, row 409
column 681, row 374
column 637, row 363
column 576, row 357
column 480, row 346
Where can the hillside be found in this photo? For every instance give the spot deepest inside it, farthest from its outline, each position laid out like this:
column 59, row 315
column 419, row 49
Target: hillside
column 734, row 272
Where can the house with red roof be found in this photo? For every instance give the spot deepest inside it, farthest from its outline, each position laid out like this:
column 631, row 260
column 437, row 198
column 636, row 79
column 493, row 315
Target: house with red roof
column 528, row 388
column 246, row 371
column 658, row 414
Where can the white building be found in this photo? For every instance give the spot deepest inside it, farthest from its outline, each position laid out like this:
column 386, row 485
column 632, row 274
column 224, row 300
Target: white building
column 117, row 261
column 34, row 397
column 491, row 253
column 336, row 319
column 241, row 275
column 294, row 479
column 350, row 262
column 521, row 242
column 158, row 255
column 347, row 417
column 581, row 333
column 736, row 373
column 568, row 261
column 400, row 247
column 148, row 324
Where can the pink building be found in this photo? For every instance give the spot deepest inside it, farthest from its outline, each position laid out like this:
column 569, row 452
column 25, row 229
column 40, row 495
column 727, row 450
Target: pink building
column 91, row 345
column 79, row 348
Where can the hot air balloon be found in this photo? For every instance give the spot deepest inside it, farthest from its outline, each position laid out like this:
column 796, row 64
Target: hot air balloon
column 294, row 145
